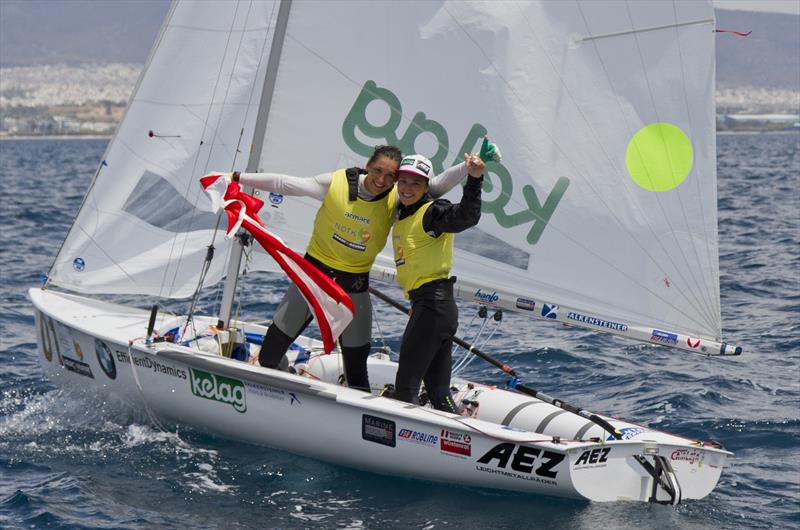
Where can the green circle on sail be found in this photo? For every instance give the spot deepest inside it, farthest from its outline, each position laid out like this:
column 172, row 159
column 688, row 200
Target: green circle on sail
column 659, row 157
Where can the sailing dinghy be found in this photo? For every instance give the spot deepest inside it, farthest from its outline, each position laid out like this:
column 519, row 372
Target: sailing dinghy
column 601, row 215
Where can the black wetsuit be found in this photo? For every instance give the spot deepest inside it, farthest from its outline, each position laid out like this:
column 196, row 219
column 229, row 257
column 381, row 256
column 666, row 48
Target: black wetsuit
column 426, row 350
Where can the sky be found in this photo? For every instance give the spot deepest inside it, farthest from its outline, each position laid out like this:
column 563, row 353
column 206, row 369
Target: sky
column 772, row 6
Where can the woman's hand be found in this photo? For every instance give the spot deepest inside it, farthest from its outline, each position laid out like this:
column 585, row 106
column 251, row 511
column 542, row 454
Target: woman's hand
column 475, row 165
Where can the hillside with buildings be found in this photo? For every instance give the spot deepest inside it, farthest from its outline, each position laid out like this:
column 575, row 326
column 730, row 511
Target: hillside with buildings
column 69, row 67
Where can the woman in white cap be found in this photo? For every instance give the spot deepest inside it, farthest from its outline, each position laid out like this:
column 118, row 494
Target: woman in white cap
column 350, row 229
column 422, row 239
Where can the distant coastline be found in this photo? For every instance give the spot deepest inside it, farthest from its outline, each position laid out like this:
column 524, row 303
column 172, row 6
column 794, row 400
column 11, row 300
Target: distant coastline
column 90, row 99
column 743, row 132
column 56, row 137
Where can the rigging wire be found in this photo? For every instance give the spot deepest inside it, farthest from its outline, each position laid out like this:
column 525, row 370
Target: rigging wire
column 89, row 196
column 244, row 118
column 209, row 126
column 566, row 156
column 469, row 325
column 470, row 356
column 497, row 317
column 385, row 348
column 562, row 152
column 150, row 413
column 710, row 262
column 248, row 254
column 471, row 340
column 653, row 236
column 212, row 143
column 704, row 301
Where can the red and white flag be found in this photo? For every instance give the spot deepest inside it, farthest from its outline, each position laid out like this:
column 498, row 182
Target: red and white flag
column 331, row 306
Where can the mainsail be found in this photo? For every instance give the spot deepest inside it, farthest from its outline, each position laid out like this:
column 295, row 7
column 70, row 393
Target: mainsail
column 602, row 213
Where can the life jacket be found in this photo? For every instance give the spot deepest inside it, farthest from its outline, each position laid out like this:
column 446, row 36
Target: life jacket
column 419, row 256
column 349, row 231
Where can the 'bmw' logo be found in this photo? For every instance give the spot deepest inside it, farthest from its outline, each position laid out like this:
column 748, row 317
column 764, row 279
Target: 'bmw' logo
column 105, row 359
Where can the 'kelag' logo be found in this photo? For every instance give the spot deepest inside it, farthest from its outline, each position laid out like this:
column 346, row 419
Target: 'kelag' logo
column 218, row 388
column 537, row 214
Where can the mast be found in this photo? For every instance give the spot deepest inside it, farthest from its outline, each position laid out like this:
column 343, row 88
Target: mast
column 232, row 276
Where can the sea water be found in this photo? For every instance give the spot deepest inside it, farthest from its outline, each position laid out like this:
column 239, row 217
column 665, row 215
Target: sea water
column 70, row 463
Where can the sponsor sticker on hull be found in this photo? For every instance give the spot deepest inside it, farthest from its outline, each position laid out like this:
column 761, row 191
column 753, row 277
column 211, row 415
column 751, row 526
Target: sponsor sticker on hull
column 521, row 462
column 78, row 367
column 629, row 432
column 57, row 338
column 105, row 358
column 219, row 388
column 158, row 367
column 44, row 337
column 378, row 430
column 691, row 456
column 592, row 458
column 269, row 392
column 455, row 443
column 418, row 437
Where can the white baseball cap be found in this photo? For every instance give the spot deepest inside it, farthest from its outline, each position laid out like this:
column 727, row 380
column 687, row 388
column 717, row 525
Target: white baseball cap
column 417, row 165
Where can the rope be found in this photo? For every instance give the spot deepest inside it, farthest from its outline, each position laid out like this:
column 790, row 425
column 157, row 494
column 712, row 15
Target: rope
column 474, row 340
column 469, row 356
column 141, row 391
column 457, row 347
column 377, row 321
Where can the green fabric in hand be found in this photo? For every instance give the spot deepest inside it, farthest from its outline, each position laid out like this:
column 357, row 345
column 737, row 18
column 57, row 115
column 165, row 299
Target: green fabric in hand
column 490, row 152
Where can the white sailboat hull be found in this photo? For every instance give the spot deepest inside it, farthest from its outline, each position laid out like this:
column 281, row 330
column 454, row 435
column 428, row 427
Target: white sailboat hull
column 511, row 442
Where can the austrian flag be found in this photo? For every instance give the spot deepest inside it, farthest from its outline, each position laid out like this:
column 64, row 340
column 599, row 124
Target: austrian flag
column 330, row 305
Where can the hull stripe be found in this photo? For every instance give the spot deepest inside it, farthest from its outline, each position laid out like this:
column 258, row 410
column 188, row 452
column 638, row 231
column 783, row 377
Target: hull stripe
column 583, row 430
column 516, row 410
column 542, row 426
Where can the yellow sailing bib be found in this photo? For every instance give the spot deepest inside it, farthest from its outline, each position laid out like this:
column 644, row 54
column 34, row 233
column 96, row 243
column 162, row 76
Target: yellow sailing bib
column 348, row 235
column 419, row 257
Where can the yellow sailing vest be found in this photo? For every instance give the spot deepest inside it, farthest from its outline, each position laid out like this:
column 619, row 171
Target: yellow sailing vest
column 348, row 235
column 419, row 257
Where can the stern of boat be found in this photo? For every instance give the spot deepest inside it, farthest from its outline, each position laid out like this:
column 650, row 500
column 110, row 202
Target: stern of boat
column 646, row 472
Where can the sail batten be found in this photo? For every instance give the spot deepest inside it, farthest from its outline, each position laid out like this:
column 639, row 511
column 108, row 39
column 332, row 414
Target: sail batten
column 706, row 21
